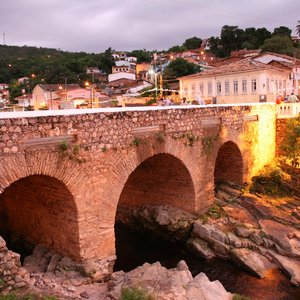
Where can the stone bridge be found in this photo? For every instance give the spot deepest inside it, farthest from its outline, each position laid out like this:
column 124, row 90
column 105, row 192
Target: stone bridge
column 63, row 174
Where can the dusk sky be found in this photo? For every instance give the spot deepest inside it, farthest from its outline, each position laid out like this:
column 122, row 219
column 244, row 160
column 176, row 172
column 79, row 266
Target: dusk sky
column 95, row 25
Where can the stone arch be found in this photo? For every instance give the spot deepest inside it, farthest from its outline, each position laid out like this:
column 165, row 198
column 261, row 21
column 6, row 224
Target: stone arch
column 229, row 165
column 161, row 179
column 40, row 210
column 189, row 157
column 48, row 168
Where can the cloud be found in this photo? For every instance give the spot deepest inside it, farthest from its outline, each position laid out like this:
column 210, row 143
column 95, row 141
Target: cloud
column 94, row 25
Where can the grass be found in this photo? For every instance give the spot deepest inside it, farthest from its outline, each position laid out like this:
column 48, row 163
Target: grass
column 240, row 297
column 132, row 293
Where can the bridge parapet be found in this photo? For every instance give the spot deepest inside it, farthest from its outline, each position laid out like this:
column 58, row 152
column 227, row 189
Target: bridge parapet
column 104, row 129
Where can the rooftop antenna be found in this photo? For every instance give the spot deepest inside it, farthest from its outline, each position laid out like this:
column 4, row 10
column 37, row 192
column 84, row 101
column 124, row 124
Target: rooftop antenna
column 3, row 38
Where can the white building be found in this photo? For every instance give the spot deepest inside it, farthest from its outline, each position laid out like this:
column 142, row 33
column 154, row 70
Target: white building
column 258, row 79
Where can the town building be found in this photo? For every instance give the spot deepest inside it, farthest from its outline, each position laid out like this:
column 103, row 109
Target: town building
column 259, row 78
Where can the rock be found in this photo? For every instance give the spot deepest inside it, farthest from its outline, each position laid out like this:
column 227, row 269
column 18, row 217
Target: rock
column 241, row 215
column 252, row 261
column 203, row 289
column 2, row 243
column 281, row 235
column 234, row 240
column 55, row 259
column 208, row 232
column 256, row 238
column 289, row 266
column 84, row 295
column 167, row 284
column 242, row 232
column 200, row 248
column 182, row 266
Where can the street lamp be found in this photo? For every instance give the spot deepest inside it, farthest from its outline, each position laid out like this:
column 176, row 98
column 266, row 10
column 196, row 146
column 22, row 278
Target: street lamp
column 90, row 86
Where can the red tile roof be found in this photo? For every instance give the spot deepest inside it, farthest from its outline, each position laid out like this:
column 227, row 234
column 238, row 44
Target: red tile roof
column 244, row 65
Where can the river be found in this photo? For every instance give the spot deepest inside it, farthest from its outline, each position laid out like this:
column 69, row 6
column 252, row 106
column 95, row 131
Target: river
column 134, row 249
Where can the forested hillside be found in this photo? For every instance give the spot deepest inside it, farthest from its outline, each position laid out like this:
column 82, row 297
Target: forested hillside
column 51, row 65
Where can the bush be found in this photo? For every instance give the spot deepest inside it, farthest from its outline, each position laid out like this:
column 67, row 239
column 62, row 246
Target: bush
column 240, row 297
column 135, row 294
column 291, row 142
column 270, row 181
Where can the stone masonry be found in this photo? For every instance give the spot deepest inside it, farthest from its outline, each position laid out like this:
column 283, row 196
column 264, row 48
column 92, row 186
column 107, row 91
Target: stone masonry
column 63, row 176
column 12, row 275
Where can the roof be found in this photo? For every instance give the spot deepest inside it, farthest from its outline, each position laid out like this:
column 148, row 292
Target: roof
column 244, row 65
column 55, row 87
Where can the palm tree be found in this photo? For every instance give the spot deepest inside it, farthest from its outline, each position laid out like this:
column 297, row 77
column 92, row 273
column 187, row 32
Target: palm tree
column 298, row 28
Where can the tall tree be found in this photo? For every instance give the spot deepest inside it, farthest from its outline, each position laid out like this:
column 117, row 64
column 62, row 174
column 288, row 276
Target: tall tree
column 232, row 38
column 192, row 43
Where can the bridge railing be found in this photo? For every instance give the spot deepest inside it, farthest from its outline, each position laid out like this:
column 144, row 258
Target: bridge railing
column 288, row 110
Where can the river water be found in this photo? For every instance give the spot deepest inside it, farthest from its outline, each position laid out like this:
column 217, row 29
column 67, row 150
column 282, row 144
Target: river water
column 134, row 249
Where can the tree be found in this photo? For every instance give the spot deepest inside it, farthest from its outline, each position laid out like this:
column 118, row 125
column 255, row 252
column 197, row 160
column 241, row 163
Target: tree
column 141, row 55
column 261, row 35
column 279, row 44
column 180, row 67
column 232, row 39
column 107, row 61
column 176, row 49
column 298, row 28
column 282, row 30
column 192, row 43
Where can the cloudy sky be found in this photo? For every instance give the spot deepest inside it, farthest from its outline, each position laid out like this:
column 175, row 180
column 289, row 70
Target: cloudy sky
column 95, row 25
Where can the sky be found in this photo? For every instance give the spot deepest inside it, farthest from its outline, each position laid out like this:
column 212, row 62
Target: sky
column 95, row 25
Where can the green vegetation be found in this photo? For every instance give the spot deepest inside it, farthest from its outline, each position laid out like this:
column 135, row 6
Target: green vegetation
column 180, row 67
column 44, row 65
column 72, row 152
column 190, row 139
column 136, row 141
column 215, row 212
column 160, row 137
column 233, row 38
column 207, row 144
column 291, row 142
column 240, row 297
column 269, row 181
column 132, row 293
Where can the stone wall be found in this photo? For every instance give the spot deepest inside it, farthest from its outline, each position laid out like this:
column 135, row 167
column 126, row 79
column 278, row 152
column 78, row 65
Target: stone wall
column 96, row 158
column 12, row 275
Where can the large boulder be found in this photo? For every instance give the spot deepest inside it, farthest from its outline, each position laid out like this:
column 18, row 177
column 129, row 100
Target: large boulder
column 254, row 262
column 166, row 284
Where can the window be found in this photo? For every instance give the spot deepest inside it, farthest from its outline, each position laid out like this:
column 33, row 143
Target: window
column 219, row 88
column 209, row 88
column 268, row 85
column 201, row 89
column 193, row 90
column 253, row 85
column 226, row 87
column 235, row 87
column 244, row 86
column 280, row 86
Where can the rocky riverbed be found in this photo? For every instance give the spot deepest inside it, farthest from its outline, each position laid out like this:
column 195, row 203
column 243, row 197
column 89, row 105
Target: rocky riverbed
column 255, row 232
